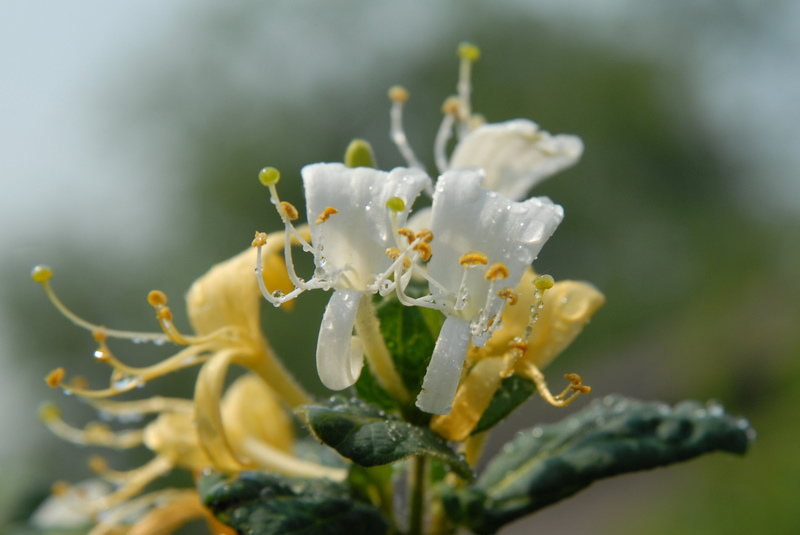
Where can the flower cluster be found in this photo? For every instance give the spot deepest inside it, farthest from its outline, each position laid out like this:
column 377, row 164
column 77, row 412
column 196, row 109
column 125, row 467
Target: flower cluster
column 472, row 246
column 468, row 257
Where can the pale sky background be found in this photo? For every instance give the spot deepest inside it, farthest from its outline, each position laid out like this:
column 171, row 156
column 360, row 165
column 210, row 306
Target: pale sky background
column 70, row 178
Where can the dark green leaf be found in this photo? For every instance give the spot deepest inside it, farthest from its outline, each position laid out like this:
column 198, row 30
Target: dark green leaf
column 368, row 436
column 256, row 503
column 611, row 436
column 512, row 393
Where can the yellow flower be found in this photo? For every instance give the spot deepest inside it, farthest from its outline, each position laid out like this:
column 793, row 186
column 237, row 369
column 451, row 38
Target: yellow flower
column 540, row 324
column 246, row 428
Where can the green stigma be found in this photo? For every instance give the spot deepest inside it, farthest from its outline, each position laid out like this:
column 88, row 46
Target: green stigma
column 396, row 204
column 41, row 274
column 469, row 52
column 359, row 154
column 269, row 176
column 543, row 282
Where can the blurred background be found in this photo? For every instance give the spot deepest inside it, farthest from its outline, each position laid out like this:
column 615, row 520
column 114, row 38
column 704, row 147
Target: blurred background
column 132, row 134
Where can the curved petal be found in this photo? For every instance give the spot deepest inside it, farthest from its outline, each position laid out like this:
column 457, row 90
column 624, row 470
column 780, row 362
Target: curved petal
column 444, row 371
column 357, row 236
column 516, row 155
column 338, row 360
column 467, row 217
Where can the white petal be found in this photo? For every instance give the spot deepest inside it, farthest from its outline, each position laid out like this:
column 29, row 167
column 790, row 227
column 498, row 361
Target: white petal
column 467, row 217
column 444, row 372
column 338, row 360
column 516, row 155
column 358, row 235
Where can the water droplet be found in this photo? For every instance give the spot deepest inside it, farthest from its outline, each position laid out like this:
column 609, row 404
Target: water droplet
column 99, row 354
column 277, row 294
column 137, row 340
column 498, row 325
column 715, row 408
column 537, row 432
column 541, row 305
column 160, row 341
column 322, row 261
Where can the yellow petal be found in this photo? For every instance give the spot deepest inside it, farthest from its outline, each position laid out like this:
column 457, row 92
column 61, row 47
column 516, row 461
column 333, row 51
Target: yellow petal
column 173, row 435
column 251, row 408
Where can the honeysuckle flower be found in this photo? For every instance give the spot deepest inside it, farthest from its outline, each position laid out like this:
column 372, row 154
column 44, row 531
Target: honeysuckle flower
column 515, row 155
column 245, row 428
column 357, row 214
column 483, row 242
column 536, row 328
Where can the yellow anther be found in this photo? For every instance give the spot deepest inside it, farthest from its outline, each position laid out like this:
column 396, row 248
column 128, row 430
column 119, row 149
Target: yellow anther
column 59, row 488
column 55, row 377
column 260, row 240
column 424, row 251
column 393, row 253
column 157, row 298
column 577, row 383
column 408, row 233
column 291, row 211
column 426, row 235
column 41, row 274
column 451, row 106
column 496, row 271
column 329, row 211
column 269, row 176
column 359, row 153
column 472, row 259
column 398, row 94
column 49, row 412
column 469, row 52
column 97, row 464
column 396, row 204
column 509, row 295
column 543, row 282
column 99, row 337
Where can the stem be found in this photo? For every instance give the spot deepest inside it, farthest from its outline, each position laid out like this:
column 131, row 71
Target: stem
column 376, row 352
column 416, row 518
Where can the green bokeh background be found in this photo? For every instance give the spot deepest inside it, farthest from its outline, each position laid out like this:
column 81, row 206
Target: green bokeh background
column 701, row 279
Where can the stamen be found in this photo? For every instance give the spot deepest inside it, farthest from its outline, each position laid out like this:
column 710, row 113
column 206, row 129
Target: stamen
column 399, row 96
column 327, row 213
column 94, row 434
column 43, row 274
column 496, row 271
column 55, row 377
column 575, row 388
column 426, row 235
column 291, row 211
column 472, row 259
column 407, row 233
column 394, row 253
column 451, row 112
column 424, row 251
column 158, row 300
column 509, row 295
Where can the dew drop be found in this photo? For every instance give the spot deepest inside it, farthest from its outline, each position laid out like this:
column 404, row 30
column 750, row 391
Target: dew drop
column 277, row 294
column 160, row 341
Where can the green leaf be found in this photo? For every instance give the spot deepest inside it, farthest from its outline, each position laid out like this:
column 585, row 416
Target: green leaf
column 368, row 389
column 256, row 503
column 368, row 436
column 612, row 436
column 512, row 393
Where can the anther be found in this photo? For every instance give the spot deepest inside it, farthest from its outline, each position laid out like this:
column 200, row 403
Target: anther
column 260, row 240
column 41, row 274
column 398, row 94
column 424, row 251
column 496, row 271
column 396, row 204
column 328, row 212
column 451, row 106
column 157, row 298
column 393, row 253
column 97, row 464
column 269, row 176
column 55, row 377
column 472, row 259
column 59, row 488
column 509, row 295
column 426, row 235
column 291, row 211
column 408, row 233
column 518, row 345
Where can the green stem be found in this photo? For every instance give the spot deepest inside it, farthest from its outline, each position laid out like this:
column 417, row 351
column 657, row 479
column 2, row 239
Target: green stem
column 417, row 482
column 376, row 352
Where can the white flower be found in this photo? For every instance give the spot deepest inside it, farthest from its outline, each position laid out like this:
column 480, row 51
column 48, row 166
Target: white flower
column 483, row 242
column 350, row 250
column 516, row 155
